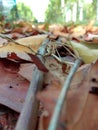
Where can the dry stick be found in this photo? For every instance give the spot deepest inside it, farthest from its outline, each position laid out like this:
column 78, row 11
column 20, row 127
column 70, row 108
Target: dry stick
column 61, row 60
column 55, row 118
column 29, row 114
column 70, row 52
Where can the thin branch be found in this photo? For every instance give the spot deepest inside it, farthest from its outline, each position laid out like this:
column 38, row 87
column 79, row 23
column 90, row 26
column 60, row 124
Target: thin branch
column 58, row 55
column 29, row 115
column 62, row 61
column 70, row 52
column 55, row 119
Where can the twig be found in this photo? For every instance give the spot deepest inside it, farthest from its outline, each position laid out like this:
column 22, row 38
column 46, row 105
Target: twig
column 62, row 61
column 58, row 55
column 55, row 118
column 75, row 51
column 29, row 114
column 70, row 52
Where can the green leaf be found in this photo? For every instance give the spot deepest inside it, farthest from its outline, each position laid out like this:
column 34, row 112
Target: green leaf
column 87, row 51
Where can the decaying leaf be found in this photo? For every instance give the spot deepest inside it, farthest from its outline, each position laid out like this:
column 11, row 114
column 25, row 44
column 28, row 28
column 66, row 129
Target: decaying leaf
column 80, row 107
column 26, row 71
column 24, row 49
column 50, row 95
column 54, row 67
column 89, row 117
column 80, row 112
column 23, row 26
column 26, row 45
column 33, row 41
column 13, row 87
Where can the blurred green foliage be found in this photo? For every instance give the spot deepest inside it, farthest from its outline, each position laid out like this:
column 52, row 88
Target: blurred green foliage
column 54, row 12
column 19, row 11
column 85, row 11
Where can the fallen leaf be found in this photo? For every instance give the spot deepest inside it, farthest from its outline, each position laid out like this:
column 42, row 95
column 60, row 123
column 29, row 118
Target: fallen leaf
column 33, row 41
column 13, row 87
column 88, row 52
column 23, row 27
column 26, row 71
column 89, row 117
column 49, row 97
column 21, row 49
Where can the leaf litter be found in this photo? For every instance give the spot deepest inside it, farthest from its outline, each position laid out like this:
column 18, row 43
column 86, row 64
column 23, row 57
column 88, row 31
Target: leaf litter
column 18, row 56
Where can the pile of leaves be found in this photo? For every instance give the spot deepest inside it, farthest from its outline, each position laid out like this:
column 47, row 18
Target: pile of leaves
column 19, row 50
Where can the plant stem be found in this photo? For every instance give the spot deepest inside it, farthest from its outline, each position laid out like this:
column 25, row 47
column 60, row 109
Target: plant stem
column 62, row 97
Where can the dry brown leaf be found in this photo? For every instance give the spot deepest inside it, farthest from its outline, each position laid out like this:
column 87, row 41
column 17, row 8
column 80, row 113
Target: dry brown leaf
column 24, row 27
column 21, row 50
column 26, row 71
column 58, row 33
column 15, row 52
column 13, row 87
column 56, row 27
column 50, row 95
column 89, row 117
column 54, row 67
column 33, row 41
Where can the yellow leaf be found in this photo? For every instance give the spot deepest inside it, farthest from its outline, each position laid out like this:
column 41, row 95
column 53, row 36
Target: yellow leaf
column 88, row 52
